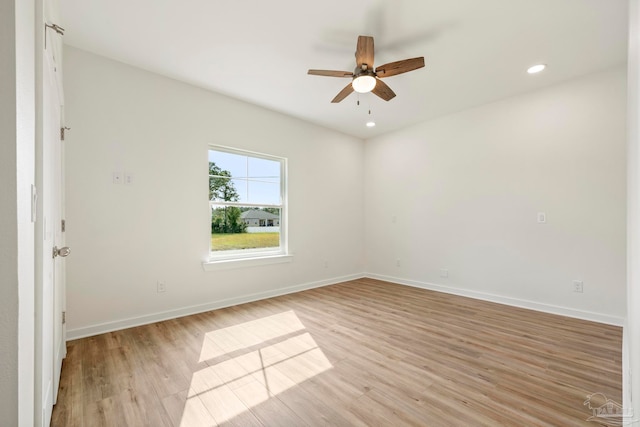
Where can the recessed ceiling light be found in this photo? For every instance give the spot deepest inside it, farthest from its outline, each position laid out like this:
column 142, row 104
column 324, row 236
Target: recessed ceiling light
column 371, row 124
column 536, row 68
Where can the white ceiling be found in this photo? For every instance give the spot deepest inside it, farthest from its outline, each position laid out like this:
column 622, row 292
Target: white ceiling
column 476, row 51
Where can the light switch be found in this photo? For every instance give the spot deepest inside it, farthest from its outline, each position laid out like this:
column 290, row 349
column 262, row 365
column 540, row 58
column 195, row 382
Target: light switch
column 117, row 177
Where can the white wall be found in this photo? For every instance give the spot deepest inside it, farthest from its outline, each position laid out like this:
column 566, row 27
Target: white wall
column 125, row 238
column 25, row 160
column 465, row 190
column 631, row 348
column 17, row 118
column 8, row 218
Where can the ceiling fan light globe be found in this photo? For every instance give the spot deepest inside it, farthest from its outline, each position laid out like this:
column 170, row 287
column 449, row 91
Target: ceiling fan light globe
column 364, row 84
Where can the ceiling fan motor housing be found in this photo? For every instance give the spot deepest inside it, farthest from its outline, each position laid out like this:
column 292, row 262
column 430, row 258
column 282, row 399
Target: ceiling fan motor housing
column 358, row 72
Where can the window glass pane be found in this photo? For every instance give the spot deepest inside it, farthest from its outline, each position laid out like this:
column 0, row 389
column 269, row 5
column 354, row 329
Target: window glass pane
column 263, row 192
column 235, row 164
column 238, row 228
column 241, row 188
column 222, row 189
column 252, row 179
column 263, row 169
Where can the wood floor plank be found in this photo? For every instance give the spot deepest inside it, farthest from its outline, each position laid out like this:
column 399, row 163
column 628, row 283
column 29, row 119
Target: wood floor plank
column 265, row 407
column 360, row 353
column 186, row 411
column 70, row 410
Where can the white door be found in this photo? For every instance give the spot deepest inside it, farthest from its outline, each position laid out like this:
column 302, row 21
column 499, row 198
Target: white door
column 50, row 346
column 57, row 202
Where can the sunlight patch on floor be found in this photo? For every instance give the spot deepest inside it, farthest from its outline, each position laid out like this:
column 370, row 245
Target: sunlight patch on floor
column 227, row 340
column 249, row 364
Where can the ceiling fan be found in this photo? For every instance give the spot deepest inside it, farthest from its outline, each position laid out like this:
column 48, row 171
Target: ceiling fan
column 365, row 78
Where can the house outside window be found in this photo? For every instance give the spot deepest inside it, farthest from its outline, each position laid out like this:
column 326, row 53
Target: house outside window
column 247, row 194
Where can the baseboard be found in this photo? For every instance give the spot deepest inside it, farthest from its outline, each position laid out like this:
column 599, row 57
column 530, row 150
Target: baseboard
column 102, row 328
column 116, row 325
column 532, row 305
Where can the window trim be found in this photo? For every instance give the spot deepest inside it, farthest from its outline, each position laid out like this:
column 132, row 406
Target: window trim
column 256, row 256
column 231, row 263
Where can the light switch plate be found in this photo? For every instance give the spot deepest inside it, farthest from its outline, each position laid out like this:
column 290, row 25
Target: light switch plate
column 117, row 177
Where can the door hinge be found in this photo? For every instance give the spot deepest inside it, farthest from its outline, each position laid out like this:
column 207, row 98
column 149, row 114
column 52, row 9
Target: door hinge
column 62, row 131
column 64, row 317
column 63, row 225
column 55, row 27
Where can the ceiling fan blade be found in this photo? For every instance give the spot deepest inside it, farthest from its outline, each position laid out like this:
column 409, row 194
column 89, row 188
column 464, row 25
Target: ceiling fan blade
column 383, row 91
column 399, row 67
column 330, row 73
column 343, row 93
column 364, row 52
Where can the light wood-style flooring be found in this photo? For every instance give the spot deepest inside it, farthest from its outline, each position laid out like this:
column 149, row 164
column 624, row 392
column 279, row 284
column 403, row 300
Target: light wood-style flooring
column 359, row 353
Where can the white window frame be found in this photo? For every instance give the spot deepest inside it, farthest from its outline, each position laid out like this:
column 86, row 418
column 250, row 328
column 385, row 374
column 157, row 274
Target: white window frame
column 257, row 256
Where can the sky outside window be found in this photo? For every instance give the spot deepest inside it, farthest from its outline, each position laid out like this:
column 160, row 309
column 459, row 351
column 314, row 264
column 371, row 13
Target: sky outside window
column 256, row 180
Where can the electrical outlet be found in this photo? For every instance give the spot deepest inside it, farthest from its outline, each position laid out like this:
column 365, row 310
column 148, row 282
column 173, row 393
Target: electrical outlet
column 326, row 264
column 444, row 272
column 162, row 287
column 542, row 217
column 578, row 286
column 398, row 263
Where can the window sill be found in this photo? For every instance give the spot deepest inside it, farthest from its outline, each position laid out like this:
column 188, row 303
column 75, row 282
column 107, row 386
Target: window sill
column 227, row 264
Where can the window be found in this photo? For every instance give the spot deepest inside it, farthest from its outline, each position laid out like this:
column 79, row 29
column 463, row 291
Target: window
column 247, row 202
